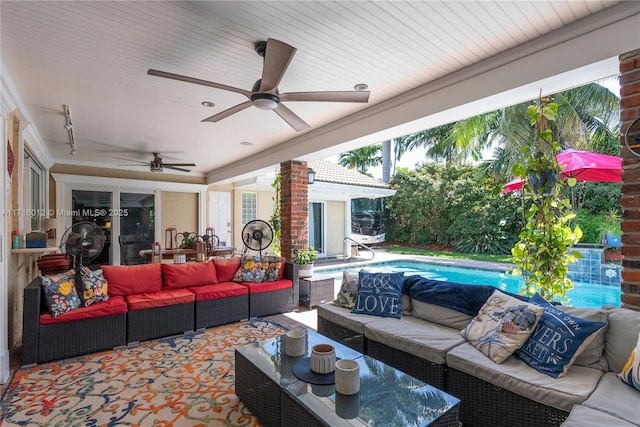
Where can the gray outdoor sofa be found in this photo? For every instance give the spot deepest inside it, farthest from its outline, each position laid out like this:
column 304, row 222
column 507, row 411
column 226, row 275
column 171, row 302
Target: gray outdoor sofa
column 426, row 343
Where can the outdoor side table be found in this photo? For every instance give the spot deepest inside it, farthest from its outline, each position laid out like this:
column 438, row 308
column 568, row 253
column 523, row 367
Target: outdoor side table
column 316, row 289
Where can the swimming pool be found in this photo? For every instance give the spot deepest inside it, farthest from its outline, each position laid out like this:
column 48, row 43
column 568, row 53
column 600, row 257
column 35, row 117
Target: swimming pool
column 582, row 295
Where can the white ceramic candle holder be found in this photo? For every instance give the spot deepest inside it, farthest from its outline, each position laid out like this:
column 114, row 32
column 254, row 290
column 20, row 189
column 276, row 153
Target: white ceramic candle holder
column 323, row 358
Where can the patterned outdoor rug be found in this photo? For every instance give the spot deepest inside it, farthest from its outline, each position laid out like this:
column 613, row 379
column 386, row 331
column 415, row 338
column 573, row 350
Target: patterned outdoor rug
column 180, row 381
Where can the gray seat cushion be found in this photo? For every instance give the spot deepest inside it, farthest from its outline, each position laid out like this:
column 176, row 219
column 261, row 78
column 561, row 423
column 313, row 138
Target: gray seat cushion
column 516, row 376
column 582, row 416
column 622, row 336
column 440, row 315
column 344, row 317
column 616, row 398
column 423, row 339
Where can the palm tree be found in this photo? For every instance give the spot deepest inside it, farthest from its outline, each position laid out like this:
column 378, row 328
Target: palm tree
column 361, row 159
column 587, row 120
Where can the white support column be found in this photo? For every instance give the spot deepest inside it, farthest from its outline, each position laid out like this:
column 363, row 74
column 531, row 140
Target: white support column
column 4, row 252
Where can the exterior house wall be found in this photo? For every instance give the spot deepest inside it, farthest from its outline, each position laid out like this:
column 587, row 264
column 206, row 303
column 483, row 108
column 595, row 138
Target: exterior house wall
column 179, row 210
column 335, row 227
column 264, row 212
column 630, row 111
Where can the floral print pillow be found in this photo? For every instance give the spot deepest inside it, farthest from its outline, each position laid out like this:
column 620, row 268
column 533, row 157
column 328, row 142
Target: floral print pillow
column 60, row 292
column 502, row 326
column 92, row 287
column 630, row 374
column 348, row 291
column 258, row 268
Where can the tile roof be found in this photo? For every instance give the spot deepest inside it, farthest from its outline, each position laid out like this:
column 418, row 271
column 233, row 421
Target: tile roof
column 336, row 174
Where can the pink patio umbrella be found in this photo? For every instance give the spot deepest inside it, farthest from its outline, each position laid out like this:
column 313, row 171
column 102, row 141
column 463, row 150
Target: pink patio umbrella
column 583, row 166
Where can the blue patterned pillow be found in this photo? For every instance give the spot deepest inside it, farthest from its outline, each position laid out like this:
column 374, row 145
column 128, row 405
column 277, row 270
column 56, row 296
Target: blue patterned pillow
column 379, row 294
column 60, row 292
column 93, row 287
column 557, row 340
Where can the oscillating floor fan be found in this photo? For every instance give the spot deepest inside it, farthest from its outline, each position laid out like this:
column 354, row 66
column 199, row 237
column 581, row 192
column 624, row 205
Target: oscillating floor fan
column 82, row 242
column 257, row 235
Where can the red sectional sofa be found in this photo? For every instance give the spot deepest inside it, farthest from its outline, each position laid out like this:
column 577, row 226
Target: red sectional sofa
column 150, row 301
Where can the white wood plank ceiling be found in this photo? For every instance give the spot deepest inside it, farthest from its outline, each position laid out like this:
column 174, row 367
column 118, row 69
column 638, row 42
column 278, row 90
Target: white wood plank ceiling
column 94, row 57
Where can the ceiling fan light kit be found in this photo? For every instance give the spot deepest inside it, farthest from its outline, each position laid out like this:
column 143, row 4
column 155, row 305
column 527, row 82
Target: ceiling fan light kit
column 264, row 94
column 157, row 165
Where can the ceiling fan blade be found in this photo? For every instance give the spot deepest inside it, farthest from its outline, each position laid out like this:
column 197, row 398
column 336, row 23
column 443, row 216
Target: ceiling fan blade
column 175, row 168
column 347, row 96
column 135, row 166
column 131, row 160
column 277, row 57
column 290, row 117
column 187, row 79
column 178, row 164
column 228, row 112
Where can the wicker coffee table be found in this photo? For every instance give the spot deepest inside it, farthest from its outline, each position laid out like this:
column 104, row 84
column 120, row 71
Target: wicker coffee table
column 266, row 384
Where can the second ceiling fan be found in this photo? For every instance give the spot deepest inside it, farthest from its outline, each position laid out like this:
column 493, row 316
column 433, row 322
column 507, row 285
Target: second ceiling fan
column 264, row 94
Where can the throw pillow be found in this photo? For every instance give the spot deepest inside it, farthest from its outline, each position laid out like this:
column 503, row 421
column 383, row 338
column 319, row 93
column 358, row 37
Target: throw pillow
column 502, row 325
column 92, row 287
column 60, row 292
column 258, row 268
column 379, row 294
column 178, row 276
column 348, row 290
column 631, row 372
column 226, row 268
column 557, row 340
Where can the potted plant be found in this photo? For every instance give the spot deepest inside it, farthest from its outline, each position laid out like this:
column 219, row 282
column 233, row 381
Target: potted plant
column 543, row 253
column 304, row 259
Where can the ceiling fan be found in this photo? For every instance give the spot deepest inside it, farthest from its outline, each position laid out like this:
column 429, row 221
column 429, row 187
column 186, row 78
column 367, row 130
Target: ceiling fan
column 157, row 165
column 264, row 94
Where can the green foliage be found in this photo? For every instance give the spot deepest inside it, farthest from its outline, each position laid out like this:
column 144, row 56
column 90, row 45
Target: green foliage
column 276, row 245
column 543, row 252
column 591, row 225
column 189, row 242
column 306, row 256
column 452, row 205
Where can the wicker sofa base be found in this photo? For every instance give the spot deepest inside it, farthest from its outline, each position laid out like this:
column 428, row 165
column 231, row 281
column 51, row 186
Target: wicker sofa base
column 424, row 370
column 143, row 325
column 343, row 335
column 508, row 408
column 69, row 339
column 271, row 302
column 220, row 311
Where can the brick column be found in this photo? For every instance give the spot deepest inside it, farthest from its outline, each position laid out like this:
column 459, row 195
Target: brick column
column 630, row 201
column 294, row 207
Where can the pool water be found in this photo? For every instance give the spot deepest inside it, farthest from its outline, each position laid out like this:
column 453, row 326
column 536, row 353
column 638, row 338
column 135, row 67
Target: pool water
column 582, row 295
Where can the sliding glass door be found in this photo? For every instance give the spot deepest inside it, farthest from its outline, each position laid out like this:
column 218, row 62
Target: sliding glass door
column 317, row 226
column 126, row 219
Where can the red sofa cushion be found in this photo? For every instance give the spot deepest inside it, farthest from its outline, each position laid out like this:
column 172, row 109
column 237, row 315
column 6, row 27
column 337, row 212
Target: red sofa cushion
column 226, row 268
column 133, row 279
column 219, row 290
column 159, row 299
column 255, row 288
column 283, row 261
column 114, row 305
column 178, row 276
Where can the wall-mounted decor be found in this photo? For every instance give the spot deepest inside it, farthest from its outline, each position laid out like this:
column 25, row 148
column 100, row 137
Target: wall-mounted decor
column 632, row 137
column 10, row 159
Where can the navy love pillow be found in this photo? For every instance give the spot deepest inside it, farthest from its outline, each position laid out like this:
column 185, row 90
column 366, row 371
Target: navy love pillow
column 379, row 294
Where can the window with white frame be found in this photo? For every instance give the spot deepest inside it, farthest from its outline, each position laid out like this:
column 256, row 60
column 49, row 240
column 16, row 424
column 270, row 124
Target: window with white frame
column 34, row 186
column 249, row 207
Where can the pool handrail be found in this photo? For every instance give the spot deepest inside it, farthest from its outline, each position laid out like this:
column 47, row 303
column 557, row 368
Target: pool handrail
column 358, row 244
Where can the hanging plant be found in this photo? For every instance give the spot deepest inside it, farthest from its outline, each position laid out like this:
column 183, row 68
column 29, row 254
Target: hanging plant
column 543, row 253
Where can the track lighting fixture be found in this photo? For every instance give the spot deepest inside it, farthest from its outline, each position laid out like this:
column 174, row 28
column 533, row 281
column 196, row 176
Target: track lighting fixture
column 69, row 127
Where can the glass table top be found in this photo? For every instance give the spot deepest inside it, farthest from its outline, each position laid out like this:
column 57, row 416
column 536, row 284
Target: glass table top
column 387, row 397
